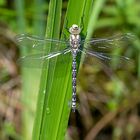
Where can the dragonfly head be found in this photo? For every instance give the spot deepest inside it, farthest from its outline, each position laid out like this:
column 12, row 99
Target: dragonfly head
column 75, row 29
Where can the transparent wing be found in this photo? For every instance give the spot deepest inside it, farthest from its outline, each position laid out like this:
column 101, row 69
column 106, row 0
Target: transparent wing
column 107, row 58
column 37, row 60
column 37, row 43
column 120, row 40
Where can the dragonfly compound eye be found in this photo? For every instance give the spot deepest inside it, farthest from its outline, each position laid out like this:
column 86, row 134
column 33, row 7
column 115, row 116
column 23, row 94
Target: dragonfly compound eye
column 74, row 26
column 75, row 29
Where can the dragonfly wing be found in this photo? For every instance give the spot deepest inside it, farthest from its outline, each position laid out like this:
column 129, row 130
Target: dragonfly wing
column 37, row 43
column 117, row 41
column 37, row 60
column 106, row 57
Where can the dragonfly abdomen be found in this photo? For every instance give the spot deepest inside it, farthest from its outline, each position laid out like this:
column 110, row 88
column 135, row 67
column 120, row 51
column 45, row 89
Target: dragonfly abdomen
column 74, row 84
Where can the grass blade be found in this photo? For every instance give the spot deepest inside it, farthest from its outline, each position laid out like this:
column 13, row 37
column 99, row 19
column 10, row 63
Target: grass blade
column 97, row 7
column 53, row 27
column 55, row 93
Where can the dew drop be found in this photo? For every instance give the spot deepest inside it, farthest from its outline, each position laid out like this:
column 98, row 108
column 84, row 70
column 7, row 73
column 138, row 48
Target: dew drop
column 48, row 110
column 44, row 91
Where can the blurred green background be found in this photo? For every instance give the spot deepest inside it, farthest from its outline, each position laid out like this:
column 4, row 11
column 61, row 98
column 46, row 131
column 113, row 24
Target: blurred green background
column 108, row 97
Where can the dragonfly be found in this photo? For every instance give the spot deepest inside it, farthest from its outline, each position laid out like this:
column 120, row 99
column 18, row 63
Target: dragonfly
column 74, row 46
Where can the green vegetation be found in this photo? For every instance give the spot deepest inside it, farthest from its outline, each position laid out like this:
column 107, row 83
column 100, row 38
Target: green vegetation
column 108, row 96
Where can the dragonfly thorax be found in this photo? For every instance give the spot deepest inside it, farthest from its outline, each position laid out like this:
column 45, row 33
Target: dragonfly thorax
column 74, row 36
column 75, row 41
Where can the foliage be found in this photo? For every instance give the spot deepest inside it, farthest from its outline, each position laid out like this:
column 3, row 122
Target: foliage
column 108, row 98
